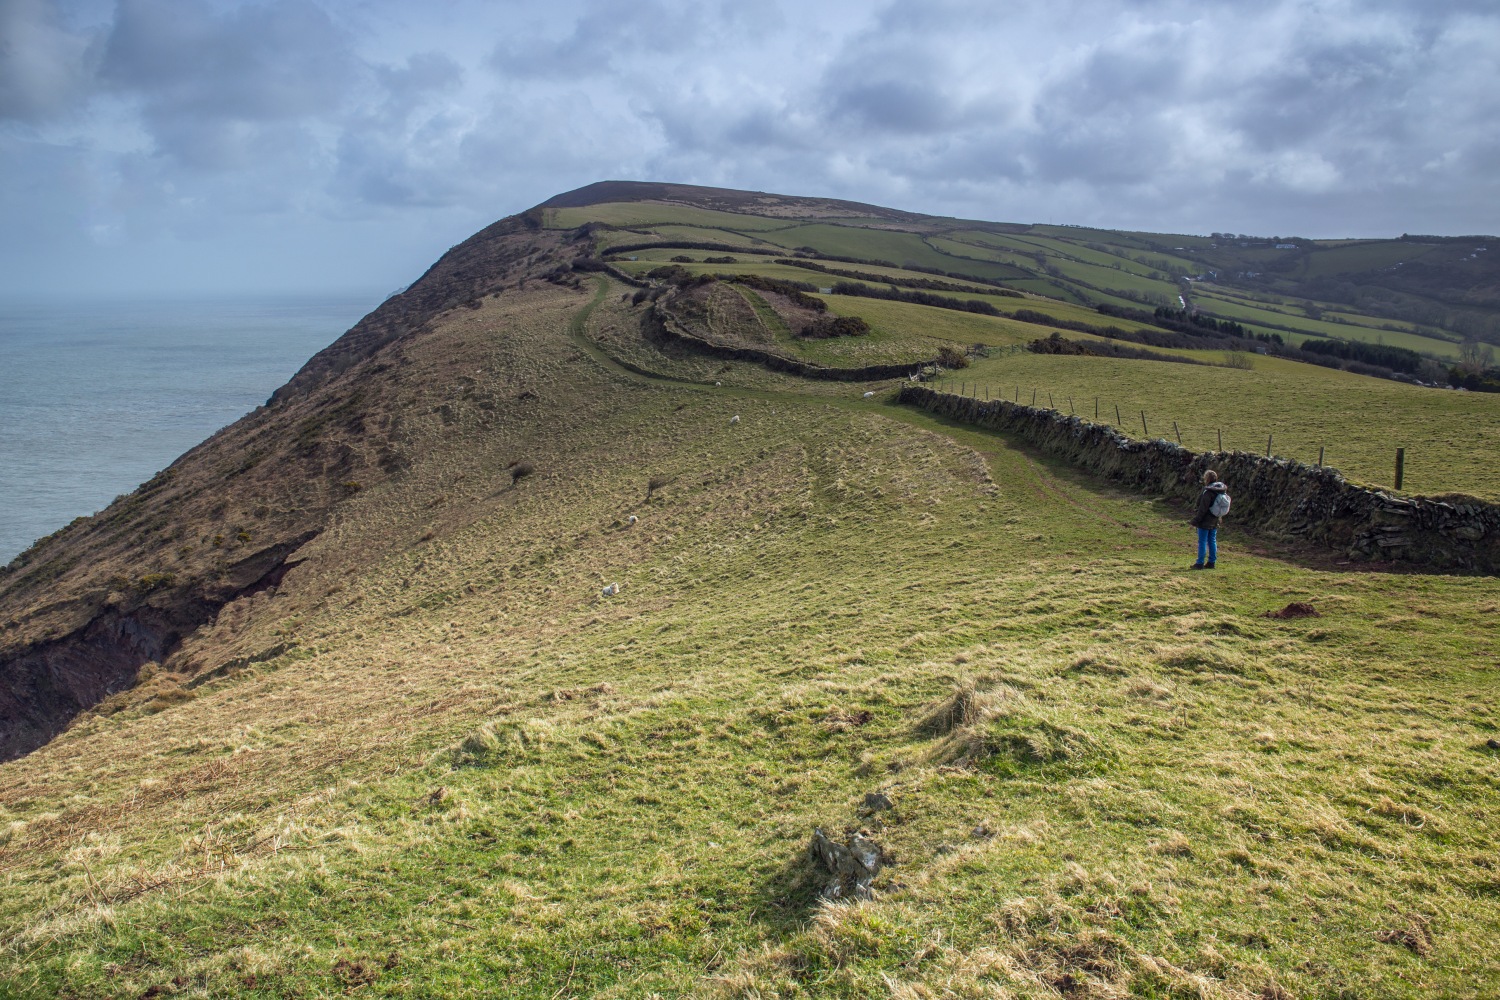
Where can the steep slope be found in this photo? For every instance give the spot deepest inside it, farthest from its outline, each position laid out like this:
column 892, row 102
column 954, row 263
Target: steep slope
column 83, row 609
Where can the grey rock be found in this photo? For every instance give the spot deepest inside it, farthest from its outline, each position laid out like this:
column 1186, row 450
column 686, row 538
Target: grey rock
column 852, row 865
column 877, row 801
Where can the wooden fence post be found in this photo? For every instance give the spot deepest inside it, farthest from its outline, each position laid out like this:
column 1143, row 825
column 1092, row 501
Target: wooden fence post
column 1268, row 444
column 1118, row 422
column 1033, row 397
column 1221, row 440
column 1050, row 405
column 1070, row 405
column 1144, row 429
column 1400, row 466
column 1320, row 456
column 1177, row 432
column 1096, row 408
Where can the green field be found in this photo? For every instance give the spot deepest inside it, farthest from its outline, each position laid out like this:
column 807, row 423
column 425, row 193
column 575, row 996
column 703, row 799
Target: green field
column 646, row 214
column 1236, row 309
column 1448, row 436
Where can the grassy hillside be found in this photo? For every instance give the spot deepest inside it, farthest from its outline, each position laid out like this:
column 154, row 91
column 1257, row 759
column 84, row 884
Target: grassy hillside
column 433, row 760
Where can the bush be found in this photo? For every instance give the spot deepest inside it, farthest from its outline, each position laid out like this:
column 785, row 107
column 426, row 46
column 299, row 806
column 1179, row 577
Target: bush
column 796, row 291
column 951, row 357
column 835, row 326
column 520, row 471
column 682, row 258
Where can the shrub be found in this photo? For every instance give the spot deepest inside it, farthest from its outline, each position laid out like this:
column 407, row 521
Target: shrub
column 835, row 326
column 951, row 357
column 682, row 258
column 796, row 291
column 520, row 470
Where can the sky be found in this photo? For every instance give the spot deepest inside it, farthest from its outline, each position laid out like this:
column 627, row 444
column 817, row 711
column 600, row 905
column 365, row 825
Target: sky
column 305, row 146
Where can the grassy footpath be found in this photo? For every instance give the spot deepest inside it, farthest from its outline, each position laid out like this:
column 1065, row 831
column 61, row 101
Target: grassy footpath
column 476, row 777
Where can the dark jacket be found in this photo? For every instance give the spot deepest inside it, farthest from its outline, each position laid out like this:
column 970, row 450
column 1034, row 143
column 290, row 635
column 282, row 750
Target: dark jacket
column 1201, row 517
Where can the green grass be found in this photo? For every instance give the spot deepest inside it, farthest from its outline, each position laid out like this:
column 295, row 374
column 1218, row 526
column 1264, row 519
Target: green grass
column 1236, row 309
column 880, row 244
column 647, row 214
column 1359, row 257
column 1359, row 421
column 477, row 777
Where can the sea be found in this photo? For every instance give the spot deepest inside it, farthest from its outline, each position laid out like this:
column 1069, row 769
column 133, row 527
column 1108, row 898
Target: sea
column 96, row 396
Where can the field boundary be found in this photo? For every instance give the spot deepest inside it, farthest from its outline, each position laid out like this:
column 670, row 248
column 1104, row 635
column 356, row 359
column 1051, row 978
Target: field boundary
column 1275, row 497
column 660, row 325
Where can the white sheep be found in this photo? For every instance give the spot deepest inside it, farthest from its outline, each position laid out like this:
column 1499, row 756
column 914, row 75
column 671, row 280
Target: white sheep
column 734, row 419
column 718, row 385
column 869, row 394
column 632, row 519
column 610, row 591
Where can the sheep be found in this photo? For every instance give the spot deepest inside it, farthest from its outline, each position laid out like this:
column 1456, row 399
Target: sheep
column 734, row 419
column 610, row 591
column 632, row 519
column 869, row 394
column 718, row 385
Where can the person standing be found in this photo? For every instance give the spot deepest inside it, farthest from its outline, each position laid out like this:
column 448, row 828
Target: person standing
column 1213, row 504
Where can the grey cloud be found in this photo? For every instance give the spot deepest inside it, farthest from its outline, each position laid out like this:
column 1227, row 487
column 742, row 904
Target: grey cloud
column 209, row 82
column 45, row 68
column 606, row 36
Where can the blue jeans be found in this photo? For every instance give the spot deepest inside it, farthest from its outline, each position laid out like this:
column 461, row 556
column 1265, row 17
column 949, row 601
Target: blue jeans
column 1208, row 544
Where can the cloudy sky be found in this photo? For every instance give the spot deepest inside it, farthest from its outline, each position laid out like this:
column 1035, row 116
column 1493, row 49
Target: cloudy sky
column 308, row 145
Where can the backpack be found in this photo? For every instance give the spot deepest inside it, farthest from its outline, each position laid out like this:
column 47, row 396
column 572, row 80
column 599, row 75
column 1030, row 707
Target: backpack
column 1220, row 506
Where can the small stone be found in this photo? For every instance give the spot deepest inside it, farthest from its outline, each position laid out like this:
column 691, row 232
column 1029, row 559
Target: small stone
column 878, row 801
column 1492, row 743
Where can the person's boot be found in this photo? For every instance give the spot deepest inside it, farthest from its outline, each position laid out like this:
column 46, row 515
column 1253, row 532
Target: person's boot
column 1196, row 566
column 1208, row 565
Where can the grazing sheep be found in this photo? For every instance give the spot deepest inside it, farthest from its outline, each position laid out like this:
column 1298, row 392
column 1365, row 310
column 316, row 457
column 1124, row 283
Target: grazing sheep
column 717, row 384
column 632, row 519
column 734, row 419
column 869, row 394
column 610, row 591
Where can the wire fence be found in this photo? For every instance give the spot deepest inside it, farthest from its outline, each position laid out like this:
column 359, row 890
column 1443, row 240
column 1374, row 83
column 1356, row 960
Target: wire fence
column 1126, row 421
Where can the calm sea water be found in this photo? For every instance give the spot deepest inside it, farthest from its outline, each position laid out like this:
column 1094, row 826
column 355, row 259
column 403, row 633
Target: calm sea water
column 96, row 397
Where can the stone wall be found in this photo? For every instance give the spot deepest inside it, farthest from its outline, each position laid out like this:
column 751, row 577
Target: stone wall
column 1273, row 497
column 661, row 325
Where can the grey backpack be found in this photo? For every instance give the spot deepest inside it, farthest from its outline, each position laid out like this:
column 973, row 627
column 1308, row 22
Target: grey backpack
column 1220, row 506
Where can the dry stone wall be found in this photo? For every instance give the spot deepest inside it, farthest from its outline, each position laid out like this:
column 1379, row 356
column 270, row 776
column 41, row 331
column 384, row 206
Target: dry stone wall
column 1273, row 497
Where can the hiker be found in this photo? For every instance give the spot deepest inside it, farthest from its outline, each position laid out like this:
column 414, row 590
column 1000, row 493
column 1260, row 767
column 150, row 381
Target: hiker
column 1213, row 504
